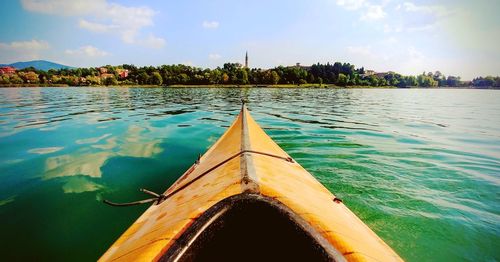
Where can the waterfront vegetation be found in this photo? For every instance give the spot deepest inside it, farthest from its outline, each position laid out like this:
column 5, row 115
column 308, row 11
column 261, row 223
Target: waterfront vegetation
column 233, row 74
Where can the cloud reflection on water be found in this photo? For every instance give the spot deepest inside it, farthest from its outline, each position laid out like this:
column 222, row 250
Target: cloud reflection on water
column 88, row 161
column 79, row 185
column 7, row 200
column 76, row 164
column 92, row 140
column 45, row 150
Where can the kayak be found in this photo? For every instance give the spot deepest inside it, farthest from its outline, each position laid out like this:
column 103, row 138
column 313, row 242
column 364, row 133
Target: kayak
column 246, row 199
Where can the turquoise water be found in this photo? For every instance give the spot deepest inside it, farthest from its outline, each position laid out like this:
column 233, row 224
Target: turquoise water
column 420, row 167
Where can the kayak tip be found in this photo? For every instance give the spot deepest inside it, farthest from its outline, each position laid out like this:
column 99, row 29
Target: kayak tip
column 243, row 103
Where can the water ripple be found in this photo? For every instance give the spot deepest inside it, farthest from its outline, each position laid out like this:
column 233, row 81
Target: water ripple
column 420, row 167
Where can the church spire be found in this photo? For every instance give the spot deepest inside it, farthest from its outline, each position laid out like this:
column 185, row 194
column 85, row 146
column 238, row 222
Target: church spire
column 246, row 59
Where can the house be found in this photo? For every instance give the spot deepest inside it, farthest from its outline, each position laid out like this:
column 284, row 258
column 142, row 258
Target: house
column 368, row 73
column 105, row 75
column 7, row 70
column 383, row 74
column 103, row 70
column 122, row 73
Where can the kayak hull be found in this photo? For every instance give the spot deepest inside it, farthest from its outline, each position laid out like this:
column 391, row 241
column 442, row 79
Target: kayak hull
column 244, row 165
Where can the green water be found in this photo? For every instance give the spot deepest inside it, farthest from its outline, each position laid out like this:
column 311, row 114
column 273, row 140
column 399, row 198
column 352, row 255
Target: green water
column 420, row 167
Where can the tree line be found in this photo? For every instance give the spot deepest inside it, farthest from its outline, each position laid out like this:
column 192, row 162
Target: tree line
column 340, row 74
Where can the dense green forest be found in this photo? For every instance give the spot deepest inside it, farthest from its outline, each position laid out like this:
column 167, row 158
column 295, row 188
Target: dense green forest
column 339, row 74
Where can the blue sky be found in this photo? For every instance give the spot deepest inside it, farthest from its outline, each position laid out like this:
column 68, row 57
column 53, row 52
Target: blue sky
column 409, row 36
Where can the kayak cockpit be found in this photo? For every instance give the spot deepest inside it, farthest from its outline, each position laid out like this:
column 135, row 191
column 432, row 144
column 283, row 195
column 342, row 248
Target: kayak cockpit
column 249, row 227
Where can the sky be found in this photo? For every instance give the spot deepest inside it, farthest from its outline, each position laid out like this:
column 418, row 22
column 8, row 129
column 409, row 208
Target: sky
column 456, row 37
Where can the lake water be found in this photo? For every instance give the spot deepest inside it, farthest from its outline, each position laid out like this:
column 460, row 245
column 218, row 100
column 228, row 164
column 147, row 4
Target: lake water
column 420, row 167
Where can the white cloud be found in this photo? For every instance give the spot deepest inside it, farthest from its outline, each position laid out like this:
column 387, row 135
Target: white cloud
column 153, row 42
column 351, row 4
column 87, row 50
column 373, row 12
column 22, row 50
column 411, row 61
column 390, row 54
column 430, row 9
column 369, row 11
column 96, row 27
column 393, row 29
column 413, row 18
column 214, row 56
column 127, row 22
column 365, row 51
column 63, row 7
column 210, row 24
column 390, row 40
column 25, row 45
column 103, row 17
column 415, row 55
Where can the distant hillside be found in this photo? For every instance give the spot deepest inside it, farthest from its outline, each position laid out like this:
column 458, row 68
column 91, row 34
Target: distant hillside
column 38, row 64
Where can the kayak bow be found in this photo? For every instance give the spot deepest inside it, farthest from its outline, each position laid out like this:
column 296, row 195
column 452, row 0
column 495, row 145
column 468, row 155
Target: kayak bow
column 247, row 199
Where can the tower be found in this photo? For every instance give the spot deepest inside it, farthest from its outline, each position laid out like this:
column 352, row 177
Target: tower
column 246, row 59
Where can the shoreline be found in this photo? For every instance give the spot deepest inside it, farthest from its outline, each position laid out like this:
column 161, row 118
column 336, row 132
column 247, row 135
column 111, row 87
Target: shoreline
column 328, row 86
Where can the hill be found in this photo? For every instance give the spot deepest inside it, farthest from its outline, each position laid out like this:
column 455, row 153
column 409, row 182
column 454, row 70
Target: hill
column 38, row 64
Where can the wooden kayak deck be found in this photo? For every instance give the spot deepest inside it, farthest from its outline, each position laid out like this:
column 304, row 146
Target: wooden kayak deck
column 246, row 163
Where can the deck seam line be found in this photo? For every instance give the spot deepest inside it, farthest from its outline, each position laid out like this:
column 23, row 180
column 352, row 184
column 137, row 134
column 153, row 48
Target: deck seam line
column 248, row 176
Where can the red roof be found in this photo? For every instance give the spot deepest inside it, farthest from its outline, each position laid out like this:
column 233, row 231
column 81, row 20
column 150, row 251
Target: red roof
column 7, row 70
